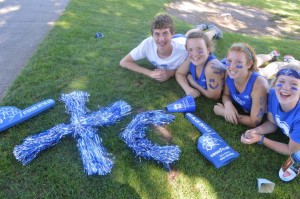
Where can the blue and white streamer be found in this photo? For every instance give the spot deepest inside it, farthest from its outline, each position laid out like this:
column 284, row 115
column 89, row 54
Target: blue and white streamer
column 134, row 136
column 96, row 160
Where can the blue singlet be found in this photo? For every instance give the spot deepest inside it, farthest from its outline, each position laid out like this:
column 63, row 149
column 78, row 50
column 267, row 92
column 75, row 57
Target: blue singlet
column 202, row 79
column 243, row 99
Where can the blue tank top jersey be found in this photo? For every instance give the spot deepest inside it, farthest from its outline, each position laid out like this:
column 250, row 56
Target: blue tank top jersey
column 288, row 122
column 243, row 99
column 202, row 79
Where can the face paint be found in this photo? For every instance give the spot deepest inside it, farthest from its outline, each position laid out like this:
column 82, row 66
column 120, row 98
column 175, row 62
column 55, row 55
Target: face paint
column 213, row 87
column 260, row 113
column 227, row 64
column 294, row 88
column 211, row 84
column 239, row 66
column 279, row 85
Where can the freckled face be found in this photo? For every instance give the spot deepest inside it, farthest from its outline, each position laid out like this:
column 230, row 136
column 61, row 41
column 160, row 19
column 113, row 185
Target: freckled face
column 236, row 64
column 197, row 51
column 287, row 90
column 162, row 38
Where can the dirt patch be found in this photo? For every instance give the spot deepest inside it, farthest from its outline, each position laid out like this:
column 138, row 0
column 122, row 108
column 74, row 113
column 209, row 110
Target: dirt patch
column 172, row 175
column 164, row 132
column 231, row 17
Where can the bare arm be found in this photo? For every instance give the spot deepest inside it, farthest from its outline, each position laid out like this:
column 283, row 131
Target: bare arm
column 279, row 147
column 259, row 101
column 255, row 135
column 158, row 74
column 214, row 79
column 230, row 113
column 181, row 78
column 129, row 63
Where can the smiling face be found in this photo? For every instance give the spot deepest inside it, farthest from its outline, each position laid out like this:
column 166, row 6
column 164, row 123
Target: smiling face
column 287, row 90
column 163, row 38
column 197, row 51
column 236, row 64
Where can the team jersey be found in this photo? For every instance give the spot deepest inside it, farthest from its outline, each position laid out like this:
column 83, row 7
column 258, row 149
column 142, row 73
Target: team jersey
column 243, row 99
column 148, row 49
column 202, row 79
column 288, row 122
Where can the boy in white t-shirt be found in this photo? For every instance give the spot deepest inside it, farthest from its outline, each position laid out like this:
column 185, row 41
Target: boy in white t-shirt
column 164, row 51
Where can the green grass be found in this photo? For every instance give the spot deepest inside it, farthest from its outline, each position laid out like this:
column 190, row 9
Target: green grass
column 70, row 58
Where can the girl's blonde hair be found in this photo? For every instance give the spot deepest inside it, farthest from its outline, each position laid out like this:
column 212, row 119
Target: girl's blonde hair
column 201, row 35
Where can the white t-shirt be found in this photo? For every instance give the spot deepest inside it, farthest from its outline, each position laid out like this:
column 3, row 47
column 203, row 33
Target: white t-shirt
column 148, row 49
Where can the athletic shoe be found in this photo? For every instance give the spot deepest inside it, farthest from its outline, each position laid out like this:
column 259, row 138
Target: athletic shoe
column 274, row 54
column 219, row 33
column 288, row 58
column 202, row 27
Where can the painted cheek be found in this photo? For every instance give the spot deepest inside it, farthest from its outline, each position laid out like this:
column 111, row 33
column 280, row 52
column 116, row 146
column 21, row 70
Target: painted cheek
column 239, row 66
column 294, row 88
column 279, row 85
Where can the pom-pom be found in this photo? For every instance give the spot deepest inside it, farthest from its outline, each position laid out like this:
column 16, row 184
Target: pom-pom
column 134, row 136
column 33, row 145
column 96, row 160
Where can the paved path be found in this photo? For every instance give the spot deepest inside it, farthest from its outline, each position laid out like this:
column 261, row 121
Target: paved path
column 23, row 25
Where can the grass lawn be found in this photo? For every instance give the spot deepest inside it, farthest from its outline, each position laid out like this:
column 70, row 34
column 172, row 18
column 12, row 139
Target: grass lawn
column 70, row 58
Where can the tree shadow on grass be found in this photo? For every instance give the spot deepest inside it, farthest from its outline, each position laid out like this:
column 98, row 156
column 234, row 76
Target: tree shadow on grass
column 235, row 18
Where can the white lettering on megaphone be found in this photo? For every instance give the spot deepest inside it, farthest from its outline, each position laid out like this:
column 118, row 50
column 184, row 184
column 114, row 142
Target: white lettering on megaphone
column 177, row 106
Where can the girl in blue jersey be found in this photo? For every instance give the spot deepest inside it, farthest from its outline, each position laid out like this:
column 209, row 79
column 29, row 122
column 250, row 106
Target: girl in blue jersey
column 244, row 88
column 283, row 112
column 202, row 73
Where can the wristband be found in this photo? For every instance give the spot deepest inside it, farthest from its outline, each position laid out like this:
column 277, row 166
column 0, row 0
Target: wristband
column 261, row 142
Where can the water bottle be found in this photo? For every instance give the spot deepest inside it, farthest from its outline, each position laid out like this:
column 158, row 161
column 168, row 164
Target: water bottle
column 291, row 168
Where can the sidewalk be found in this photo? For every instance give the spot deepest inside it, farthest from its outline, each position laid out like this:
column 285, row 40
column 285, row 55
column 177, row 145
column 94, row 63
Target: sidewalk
column 23, row 25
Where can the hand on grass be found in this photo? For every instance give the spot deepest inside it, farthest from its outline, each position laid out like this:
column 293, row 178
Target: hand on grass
column 231, row 115
column 219, row 109
column 159, row 75
column 250, row 136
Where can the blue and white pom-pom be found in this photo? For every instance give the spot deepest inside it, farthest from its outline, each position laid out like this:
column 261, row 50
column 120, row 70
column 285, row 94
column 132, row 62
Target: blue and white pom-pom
column 96, row 160
column 34, row 144
column 134, row 136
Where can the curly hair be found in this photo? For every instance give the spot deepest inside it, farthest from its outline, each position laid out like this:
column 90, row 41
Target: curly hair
column 163, row 21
